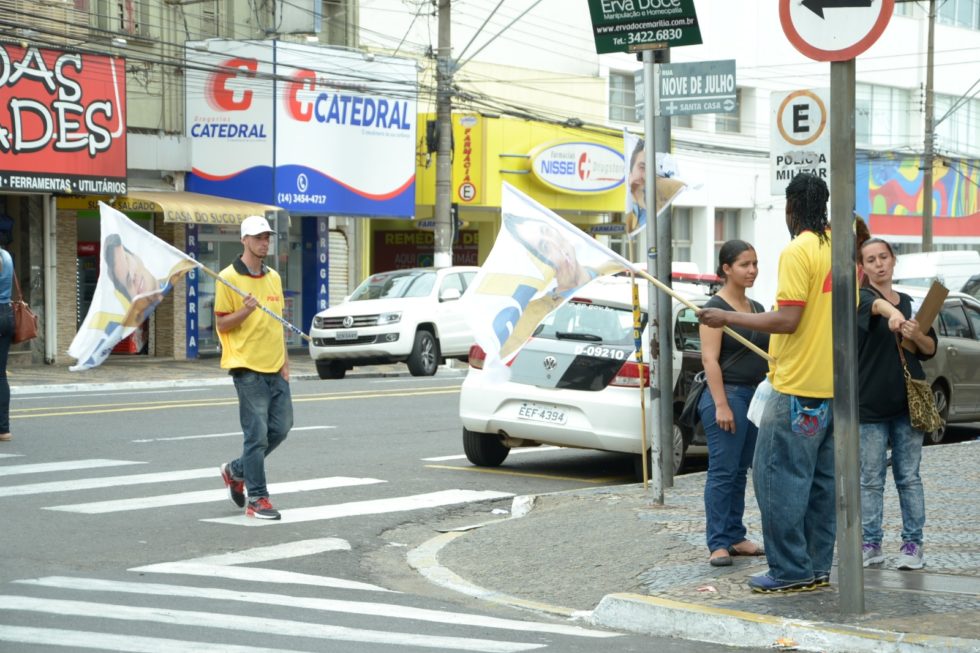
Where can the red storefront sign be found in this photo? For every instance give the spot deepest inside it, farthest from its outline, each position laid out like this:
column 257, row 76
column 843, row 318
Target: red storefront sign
column 62, row 122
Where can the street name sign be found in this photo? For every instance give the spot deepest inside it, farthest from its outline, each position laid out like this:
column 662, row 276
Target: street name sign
column 702, row 87
column 834, row 30
column 634, row 25
column 799, row 136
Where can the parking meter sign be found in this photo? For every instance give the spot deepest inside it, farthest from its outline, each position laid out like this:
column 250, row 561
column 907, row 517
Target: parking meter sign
column 799, row 137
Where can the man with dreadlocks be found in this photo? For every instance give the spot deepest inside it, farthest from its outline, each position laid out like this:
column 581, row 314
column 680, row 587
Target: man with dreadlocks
column 793, row 468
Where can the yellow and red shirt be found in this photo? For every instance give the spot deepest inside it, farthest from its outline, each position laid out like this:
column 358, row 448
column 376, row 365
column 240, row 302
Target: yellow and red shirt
column 258, row 343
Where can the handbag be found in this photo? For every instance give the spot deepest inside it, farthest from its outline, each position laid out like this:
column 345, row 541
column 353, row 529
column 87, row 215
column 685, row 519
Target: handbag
column 25, row 321
column 923, row 414
column 689, row 413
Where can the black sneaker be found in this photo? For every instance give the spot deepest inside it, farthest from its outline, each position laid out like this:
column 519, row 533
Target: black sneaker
column 821, row 579
column 236, row 487
column 261, row 509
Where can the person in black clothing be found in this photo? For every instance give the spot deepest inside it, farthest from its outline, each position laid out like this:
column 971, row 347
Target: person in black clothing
column 883, row 315
column 723, row 409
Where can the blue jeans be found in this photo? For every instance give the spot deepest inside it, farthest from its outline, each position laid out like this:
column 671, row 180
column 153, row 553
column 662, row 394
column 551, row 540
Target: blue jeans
column 729, row 458
column 793, row 476
column 906, row 445
column 6, row 334
column 265, row 408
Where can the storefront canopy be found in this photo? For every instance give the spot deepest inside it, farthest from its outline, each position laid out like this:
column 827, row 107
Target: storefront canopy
column 194, row 208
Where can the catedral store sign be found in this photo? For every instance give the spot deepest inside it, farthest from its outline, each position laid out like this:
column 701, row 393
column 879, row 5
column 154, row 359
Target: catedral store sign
column 62, row 122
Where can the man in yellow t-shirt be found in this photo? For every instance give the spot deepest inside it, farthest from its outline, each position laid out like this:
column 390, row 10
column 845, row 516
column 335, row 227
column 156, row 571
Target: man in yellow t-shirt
column 253, row 350
column 793, row 467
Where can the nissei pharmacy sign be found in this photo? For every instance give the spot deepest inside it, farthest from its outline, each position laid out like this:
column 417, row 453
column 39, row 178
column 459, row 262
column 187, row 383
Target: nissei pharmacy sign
column 577, row 167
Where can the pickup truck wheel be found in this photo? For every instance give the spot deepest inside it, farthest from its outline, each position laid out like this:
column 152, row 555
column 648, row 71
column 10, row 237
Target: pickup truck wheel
column 484, row 449
column 424, row 359
column 330, row 369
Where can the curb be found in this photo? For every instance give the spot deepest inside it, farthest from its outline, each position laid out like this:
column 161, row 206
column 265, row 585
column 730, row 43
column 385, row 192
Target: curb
column 666, row 618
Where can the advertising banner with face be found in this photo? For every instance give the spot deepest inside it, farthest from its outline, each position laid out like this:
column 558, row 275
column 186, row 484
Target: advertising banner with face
column 62, row 122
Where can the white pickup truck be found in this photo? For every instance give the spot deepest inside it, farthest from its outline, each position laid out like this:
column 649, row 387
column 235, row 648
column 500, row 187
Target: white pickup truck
column 412, row 316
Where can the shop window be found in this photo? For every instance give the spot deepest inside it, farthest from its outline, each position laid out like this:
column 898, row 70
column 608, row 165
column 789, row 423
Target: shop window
column 129, row 17
column 881, row 116
column 959, row 13
column 726, row 227
column 681, row 233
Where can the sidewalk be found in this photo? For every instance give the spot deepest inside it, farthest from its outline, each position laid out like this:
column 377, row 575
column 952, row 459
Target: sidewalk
column 612, row 555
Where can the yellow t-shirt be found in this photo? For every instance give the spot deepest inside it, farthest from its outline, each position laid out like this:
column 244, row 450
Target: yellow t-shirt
column 257, row 343
column 804, row 360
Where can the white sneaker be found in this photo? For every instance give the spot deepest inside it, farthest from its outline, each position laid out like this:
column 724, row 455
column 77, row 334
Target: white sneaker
column 911, row 557
column 872, row 554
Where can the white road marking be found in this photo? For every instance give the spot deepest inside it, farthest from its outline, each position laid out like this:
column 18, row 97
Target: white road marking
column 11, row 455
column 255, row 624
column 220, row 566
column 258, row 575
column 513, row 452
column 76, row 639
column 68, row 465
column 385, row 610
column 107, row 481
column 207, row 496
column 370, row 507
column 225, row 435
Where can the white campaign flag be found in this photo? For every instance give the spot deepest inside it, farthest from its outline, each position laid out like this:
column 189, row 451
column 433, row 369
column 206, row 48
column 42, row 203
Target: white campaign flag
column 136, row 270
column 537, row 263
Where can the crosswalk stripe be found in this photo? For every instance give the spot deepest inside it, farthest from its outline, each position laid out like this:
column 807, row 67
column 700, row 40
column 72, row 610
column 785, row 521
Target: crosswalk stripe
column 370, row 507
column 281, row 551
column 107, row 481
column 68, row 465
column 205, row 436
column 76, row 639
column 252, row 623
column 11, row 455
column 207, row 496
column 386, row 610
column 257, row 575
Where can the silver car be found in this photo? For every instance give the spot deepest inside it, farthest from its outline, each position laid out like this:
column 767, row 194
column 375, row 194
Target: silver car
column 954, row 372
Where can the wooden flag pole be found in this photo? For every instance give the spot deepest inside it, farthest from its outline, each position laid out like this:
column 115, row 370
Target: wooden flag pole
column 265, row 310
column 686, row 302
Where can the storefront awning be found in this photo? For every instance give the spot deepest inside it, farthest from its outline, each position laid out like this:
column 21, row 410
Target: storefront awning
column 194, row 208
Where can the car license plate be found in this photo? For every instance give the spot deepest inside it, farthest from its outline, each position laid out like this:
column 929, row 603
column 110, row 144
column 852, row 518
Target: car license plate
column 536, row 413
column 346, row 335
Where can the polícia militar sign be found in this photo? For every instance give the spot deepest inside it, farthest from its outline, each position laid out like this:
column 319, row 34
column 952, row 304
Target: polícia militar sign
column 62, row 122
column 577, row 167
column 320, row 131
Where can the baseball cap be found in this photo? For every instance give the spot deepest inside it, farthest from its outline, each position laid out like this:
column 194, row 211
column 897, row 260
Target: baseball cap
column 254, row 225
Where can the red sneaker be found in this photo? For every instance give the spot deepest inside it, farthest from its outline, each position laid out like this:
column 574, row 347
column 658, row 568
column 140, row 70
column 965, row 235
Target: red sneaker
column 261, row 509
column 236, row 487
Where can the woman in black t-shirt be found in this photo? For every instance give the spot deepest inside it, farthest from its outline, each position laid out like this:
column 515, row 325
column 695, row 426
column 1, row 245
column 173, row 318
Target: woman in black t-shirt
column 883, row 315
column 723, row 409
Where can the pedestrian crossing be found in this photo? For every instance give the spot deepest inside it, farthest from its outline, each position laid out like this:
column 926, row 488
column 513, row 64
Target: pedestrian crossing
column 245, row 599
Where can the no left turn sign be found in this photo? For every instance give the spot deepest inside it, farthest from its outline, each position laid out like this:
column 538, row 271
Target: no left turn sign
column 834, row 30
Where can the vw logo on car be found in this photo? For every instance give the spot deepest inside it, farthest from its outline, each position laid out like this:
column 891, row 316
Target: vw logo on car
column 550, row 363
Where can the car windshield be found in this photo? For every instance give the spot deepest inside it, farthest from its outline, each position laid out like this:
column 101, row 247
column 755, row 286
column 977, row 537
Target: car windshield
column 578, row 320
column 399, row 283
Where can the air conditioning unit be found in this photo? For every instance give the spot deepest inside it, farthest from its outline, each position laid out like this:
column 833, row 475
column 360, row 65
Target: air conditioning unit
column 298, row 16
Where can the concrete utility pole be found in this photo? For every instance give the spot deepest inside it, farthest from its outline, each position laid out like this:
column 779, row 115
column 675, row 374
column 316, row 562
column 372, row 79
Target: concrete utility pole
column 443, row 246
column 929, row 141
column 665, row 313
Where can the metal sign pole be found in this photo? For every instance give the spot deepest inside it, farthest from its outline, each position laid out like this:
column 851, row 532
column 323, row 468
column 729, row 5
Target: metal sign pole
column 850, row 571
column 650, row 197
column 665, row 370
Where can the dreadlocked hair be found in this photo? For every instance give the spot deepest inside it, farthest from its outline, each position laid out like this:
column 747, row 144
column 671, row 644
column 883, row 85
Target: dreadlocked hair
column 806, row 196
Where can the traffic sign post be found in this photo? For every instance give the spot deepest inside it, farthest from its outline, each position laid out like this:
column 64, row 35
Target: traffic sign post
column 838, row 31
column 635, row 25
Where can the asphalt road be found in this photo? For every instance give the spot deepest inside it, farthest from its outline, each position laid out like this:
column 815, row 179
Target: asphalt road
column 119, row 535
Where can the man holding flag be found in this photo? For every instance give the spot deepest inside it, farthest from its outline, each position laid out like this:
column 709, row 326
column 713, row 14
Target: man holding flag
column 253, row 349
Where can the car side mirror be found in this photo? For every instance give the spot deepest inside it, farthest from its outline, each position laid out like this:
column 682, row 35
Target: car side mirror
column 450, row 294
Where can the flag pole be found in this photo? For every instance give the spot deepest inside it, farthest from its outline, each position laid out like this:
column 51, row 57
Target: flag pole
column 265, row 310
column 670, row 291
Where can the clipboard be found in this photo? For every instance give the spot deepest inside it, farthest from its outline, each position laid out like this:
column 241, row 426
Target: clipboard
column 927, row 313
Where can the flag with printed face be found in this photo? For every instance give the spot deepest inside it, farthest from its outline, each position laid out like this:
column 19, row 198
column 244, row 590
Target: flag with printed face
column 537, row 263
column 668, row 188
column 136, row 270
